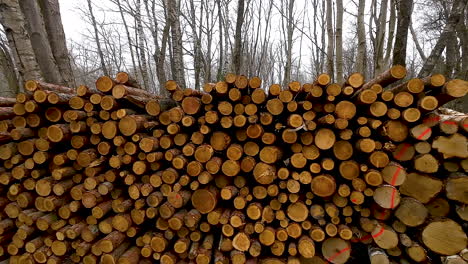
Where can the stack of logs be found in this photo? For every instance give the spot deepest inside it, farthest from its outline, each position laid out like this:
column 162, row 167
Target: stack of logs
column 310, row 173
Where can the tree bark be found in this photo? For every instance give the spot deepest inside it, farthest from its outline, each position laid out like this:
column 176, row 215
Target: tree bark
column 38, row 35
column 379, row 62
column 454, row 18
column 339, row 41
column 56, row 37
column 220, row 73
column 96, row 39
column 14, row 23
column 173, row 14
column 141, row 46
column 236, row 57
column 330, row 44
column 361, row 56
column 289, row 42
column 197, row 56
column 451, row 54
column 404, row 19
column 9, row 87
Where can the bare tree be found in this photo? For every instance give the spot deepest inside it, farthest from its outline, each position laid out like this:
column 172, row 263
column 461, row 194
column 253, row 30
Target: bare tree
column 220, row 73
column 127, row 32
column 96, row 38
column 416, row 42
column 454, row 18
column 339, row 41
column 330, row 44
column 237, row 53
column 404, row 19
column 391, row 33
column 287, row 24
column 173, row 15
column 141, row 45
column 159, row 55
column 361, row 51
column 196, row 35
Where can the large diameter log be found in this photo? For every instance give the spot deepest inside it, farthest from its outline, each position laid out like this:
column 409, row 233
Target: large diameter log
column 444, row 237
column 336, row 250
column 452, row 146
column 204, row 200
column 453, row 89
column 421, row 187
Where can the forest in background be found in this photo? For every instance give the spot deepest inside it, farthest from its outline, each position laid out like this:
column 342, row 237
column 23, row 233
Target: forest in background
column 198, row 41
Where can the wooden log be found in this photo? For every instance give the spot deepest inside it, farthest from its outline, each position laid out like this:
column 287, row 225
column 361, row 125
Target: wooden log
column 393, row 74
column 33, row 85
column 444, row 237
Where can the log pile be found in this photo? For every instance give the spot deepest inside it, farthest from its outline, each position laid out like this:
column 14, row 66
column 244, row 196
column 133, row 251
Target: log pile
column 309, row 173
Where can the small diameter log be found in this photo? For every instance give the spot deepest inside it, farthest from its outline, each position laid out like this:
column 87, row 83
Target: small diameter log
column 421, row 187
column 456, row 186
column 377, row 256
column 204, row 200
column 336, row 250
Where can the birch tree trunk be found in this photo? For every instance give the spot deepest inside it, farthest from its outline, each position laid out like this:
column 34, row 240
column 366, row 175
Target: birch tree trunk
column 330, row 44
column 220, row 73
column 323, row 19
column 339, row 41
column 207, row 58
column 236, row 57
column 289, row 42
column 455, row 16
column 361, row 30
column 9, row 84
column 56, row 37
column 379, row 62
column 14, row 24
column 96, row 39
column 141, row 46
column 404, row 18
column 173, row 14
column 197, row 64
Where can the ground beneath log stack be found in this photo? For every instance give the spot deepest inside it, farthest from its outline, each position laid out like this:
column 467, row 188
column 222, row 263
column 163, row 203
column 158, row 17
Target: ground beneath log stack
column 242, row 172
